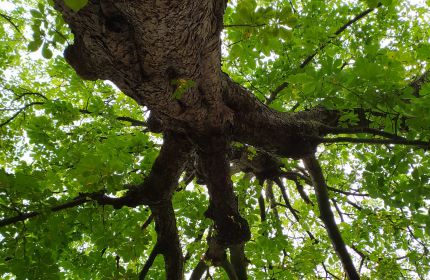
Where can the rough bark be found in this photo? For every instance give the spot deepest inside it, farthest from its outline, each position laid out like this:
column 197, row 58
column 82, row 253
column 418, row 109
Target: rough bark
column 165, row 54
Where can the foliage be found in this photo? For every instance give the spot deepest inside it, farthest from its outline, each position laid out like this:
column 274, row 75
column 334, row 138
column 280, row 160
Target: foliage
column 61, row 136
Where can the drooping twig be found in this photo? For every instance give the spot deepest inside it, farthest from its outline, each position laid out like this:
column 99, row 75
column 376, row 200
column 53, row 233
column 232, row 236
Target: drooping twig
column 290, row 207
column 326, row 215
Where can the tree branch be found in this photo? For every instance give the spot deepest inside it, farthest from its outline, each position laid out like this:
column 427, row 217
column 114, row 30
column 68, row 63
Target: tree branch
column 132, row 121
column 262, row 206
column 419, row 82
column 81, row 199
column 346, row 192
column 156, row 191
column 20, row 110
column 168, row 240
column 229, row 269
column 149, row 263
column 9, row 19
column 290, row 207
column 147, row 222
column 326, row 215
column 367, row 130
column 286, row 199
column 418, row 143
column 239, row 261
column 199, row 270
column 308, row 59
column 244, row 25
column 223, row 208
column 197, row 239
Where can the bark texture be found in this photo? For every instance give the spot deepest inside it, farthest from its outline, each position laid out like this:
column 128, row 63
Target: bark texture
column 166, row 54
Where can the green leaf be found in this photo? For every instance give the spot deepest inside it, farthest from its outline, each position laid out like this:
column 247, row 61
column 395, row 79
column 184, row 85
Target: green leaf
column 36, row 13
column 46, row 52
column 76, row 5
column 34, row 45
column 182, row 85
column 372, row 3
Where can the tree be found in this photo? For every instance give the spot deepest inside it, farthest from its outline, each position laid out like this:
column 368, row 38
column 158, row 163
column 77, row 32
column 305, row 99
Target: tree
column 252, row 139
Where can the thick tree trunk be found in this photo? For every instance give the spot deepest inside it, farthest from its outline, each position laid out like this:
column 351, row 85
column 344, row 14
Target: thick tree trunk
column 149, row 49
column 165, row 54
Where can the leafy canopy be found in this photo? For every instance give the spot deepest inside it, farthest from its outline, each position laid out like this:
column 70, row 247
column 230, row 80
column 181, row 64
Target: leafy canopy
column 61, row 136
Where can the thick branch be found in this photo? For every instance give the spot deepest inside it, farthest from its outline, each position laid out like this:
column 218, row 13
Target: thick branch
column 239, row 261
column 292, row 135
column 229, row 269
column 168, row 240
column 262, row 206
column 326, row 215
column 231, row 228
column 199, row 270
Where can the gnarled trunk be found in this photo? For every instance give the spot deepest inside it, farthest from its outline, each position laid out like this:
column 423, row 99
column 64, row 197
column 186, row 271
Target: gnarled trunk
column 165, row 54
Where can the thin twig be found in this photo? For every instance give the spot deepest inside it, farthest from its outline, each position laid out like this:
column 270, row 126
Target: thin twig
column 9, row 19
column 20, row 110
column 417, row 143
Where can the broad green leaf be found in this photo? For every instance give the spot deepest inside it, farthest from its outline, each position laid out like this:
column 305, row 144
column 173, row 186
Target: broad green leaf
column 76, row 5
